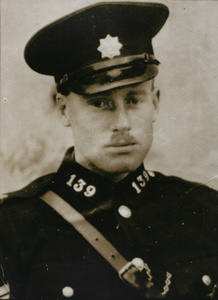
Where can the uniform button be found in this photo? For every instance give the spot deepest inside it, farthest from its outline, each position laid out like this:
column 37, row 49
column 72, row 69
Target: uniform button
column 206, row 279
column 125, row 211
column 67, row 291
column 139, row 263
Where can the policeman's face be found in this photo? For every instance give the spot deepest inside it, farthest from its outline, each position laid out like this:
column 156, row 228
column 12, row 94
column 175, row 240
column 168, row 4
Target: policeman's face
column 112, row 130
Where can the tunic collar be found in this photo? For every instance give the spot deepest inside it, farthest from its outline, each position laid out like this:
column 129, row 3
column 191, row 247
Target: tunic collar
column 94, row 189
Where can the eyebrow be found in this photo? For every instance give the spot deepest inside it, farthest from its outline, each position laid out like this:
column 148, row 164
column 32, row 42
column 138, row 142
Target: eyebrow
column 132, row 93
column 136, row 92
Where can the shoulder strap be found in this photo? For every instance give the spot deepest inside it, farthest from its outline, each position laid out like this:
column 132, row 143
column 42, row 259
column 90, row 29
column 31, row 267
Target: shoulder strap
column 87, row 230
column 132, row 273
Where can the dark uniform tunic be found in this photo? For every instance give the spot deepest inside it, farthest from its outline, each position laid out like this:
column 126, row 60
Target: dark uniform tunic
column 168, row 222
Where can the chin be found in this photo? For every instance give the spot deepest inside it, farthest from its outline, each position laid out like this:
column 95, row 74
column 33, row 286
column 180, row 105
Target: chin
column 121, row 165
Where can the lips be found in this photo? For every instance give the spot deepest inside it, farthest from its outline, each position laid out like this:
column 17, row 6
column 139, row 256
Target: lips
column 121, row 144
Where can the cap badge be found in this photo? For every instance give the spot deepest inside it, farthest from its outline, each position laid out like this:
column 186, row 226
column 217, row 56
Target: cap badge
column 109, row 46
column 114, row 73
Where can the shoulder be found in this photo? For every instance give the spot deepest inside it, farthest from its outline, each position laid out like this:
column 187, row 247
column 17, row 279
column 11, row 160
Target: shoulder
column 185, row 198
column 191, row 208
column 22, row 210
column 182, row 187
column 179, row 195
column 33, row 189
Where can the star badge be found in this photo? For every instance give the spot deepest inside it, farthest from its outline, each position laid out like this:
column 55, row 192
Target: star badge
column 109, row 46
column 114, row 73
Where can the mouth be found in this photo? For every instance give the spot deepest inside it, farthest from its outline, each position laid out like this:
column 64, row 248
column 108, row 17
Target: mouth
column 122, row 148
column 120, row 145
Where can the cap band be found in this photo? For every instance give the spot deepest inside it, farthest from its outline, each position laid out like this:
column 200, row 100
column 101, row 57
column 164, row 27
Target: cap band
column 110, row 74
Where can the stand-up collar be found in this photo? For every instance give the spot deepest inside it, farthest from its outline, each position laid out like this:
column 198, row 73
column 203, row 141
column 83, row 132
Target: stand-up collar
column 94, row 188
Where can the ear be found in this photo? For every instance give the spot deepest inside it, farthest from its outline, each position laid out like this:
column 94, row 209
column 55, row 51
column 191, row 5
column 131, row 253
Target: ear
column 155, row 102
column 62, row 109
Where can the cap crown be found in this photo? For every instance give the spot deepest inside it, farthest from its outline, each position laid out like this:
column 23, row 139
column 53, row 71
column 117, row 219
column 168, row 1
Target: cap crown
column 72, row 42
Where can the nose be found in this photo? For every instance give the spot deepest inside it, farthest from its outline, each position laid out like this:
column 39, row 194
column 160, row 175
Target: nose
column 121, row 120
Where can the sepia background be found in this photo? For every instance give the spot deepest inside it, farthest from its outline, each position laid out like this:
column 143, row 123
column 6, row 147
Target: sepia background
column 33, row 140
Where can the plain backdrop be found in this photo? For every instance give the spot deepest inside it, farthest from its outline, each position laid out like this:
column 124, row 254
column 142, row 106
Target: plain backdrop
column 33, row 140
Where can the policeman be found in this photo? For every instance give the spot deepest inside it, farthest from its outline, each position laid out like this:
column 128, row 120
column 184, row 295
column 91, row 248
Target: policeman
column 103, row 227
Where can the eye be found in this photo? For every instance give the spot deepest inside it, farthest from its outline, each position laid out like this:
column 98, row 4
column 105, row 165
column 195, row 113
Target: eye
column 132, row 100
column 101, row 103
column 97, row 103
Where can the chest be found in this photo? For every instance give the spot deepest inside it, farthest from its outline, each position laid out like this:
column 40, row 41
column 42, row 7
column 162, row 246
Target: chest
column 57, row 256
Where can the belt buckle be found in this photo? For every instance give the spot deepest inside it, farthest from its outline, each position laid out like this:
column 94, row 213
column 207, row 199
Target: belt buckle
column 125, row 269
column 129, row 274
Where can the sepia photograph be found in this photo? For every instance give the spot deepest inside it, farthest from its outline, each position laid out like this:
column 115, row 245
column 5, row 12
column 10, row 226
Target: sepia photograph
column 109, row 161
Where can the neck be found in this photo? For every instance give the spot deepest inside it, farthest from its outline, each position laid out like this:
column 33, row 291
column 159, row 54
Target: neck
column 113, row 176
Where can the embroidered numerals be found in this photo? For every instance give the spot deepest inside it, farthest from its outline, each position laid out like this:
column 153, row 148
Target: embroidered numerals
column 90, row 191
column 72, row 177
column 141, row 182
column 81, row 186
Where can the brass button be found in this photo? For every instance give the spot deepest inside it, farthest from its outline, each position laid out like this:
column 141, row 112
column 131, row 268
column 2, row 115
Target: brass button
column 68, row 291
column 125, row 211
column 139, row 263
column 206, row 279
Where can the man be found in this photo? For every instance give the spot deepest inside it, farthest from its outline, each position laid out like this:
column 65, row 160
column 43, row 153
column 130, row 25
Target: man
column 102, row 214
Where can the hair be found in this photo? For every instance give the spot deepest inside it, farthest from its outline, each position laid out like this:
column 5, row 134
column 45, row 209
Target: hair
column 64, row 88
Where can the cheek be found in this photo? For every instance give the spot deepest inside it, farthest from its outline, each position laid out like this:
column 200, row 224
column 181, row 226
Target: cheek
column 77, row 123
column 86, row 128
column 81, row 131
column 142, row 121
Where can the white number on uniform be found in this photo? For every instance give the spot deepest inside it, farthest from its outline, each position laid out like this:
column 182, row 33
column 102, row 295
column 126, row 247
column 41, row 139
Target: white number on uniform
column 141, row 181
column 72, row 177
column 90, row 191
column 80, row 185
column 138, row 190
column 145, row 174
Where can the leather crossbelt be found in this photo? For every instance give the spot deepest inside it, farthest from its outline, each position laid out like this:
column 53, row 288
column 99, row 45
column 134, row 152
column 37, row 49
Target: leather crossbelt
column 132, row 272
